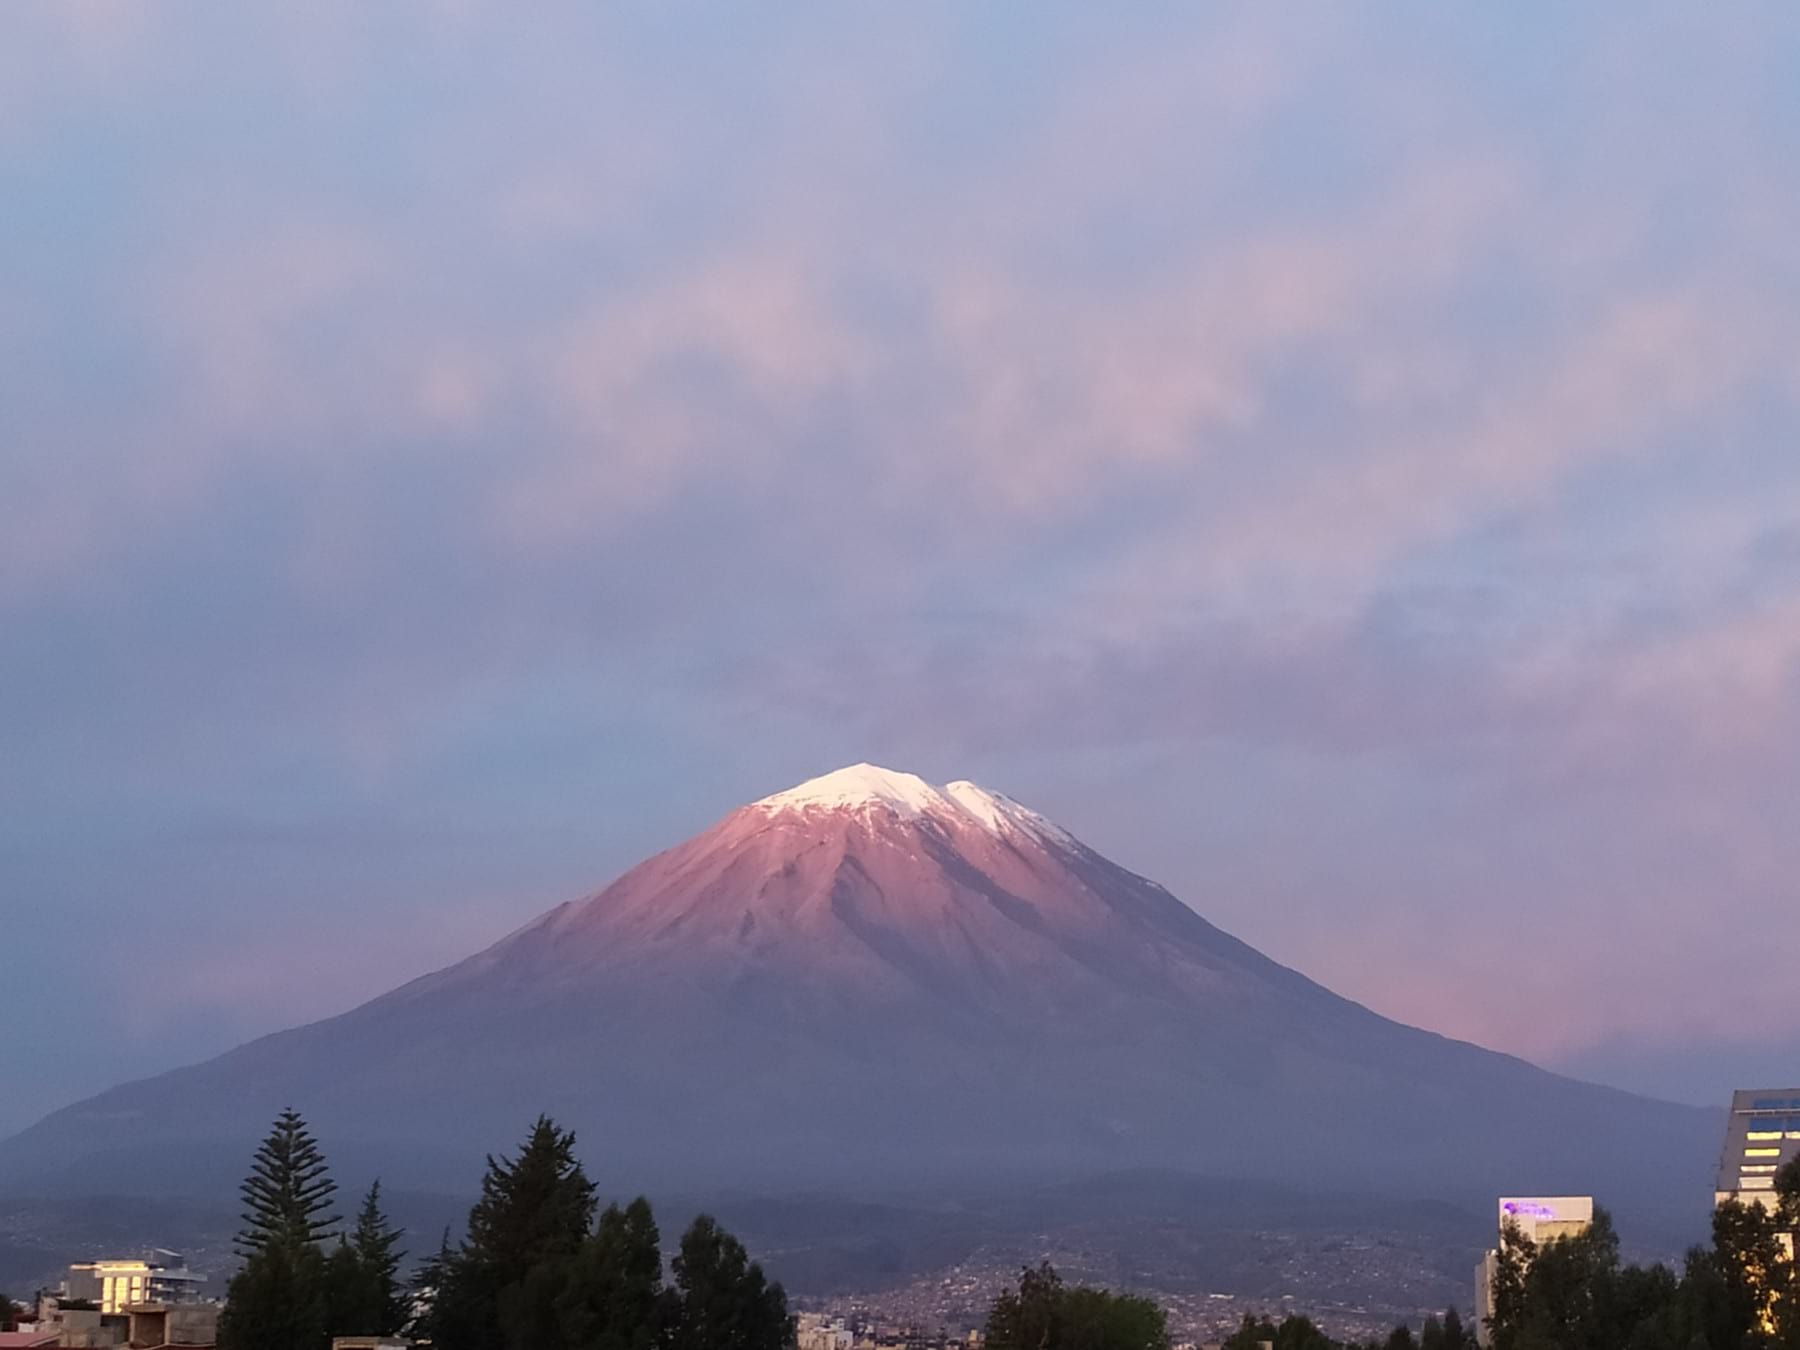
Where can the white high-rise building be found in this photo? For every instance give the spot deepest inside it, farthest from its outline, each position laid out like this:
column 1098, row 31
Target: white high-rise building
column 1761, row 1135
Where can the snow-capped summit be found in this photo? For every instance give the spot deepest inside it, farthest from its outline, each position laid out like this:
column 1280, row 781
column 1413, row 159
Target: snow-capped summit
column 860, row 787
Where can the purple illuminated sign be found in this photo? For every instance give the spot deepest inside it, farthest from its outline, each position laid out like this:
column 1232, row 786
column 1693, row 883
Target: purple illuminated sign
column 1528, row 1210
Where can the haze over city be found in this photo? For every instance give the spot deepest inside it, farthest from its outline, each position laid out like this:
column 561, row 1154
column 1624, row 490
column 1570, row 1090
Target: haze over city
column 1339, row 464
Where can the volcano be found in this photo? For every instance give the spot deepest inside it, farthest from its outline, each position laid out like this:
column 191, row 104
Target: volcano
column 870, row 978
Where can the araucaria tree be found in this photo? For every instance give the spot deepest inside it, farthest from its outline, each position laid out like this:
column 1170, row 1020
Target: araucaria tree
column 289, row 1295
column 278, row 1300
column 288, row 1194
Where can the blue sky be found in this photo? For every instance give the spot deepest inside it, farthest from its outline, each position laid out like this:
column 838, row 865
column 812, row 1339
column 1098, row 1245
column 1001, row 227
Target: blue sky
column 1340, row 463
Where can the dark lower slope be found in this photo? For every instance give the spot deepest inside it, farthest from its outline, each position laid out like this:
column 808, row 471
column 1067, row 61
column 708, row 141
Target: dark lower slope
column 748, row 1098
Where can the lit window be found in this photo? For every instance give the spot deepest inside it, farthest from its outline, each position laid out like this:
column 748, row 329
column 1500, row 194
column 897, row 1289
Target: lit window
column 1762, row 1153
column 1749, row 1168
column 1763, row 1134
column 1757, row 1183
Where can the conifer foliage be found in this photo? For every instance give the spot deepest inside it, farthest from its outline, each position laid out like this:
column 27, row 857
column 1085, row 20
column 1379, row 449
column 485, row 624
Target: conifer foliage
column 288, row 1194
column 537, row 1273
column 722, row 1301
column 533, row 1215
column 364, row 1296
column 289, row 1295
column 1045, row 1314
column 277, row 1300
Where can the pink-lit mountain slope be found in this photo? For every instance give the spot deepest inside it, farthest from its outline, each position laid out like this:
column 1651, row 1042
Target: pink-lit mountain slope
column 869, row 978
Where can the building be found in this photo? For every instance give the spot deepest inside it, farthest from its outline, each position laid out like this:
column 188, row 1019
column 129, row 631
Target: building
column 815, row 1331
column 114, row 1285
column 90, row 1329
column 173, row 1324
column 1761, row 1134
column 1540, row 1218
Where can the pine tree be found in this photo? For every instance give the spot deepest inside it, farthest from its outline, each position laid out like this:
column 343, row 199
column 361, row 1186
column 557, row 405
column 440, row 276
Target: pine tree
column 427, row 1285
column 277, row 1301
column 534, row 1210
column 289, row 1190
column 345, row 1292
column 382, row 1309
column 723, row 1301
column 613, row 1296
column 9, row 1313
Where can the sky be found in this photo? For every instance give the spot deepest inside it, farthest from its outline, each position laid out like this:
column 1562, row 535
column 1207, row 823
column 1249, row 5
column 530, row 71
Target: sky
column 1339, row 461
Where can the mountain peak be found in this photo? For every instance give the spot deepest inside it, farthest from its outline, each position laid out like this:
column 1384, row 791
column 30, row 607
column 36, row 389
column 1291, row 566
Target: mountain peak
column 859, row 787
column 862, row 785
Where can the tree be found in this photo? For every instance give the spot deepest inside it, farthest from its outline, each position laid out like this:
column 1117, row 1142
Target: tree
column 1294, row 1333
column 1025, row 1318
column 1571, row 1288
column 1095, row 1319
column 9, row 1313
column 1455, row 1337
column 613, row 1297
column 288, row 1194
column 534, row 1211
column 362, row 1288
column 427, row 1283
column 1513, row 1260
column 1401, row 1338
column 277, row 1301
column 1044, row 1314
column 1751, row 1269
column 1300, row 1333
column 722, row 1301
column 343, row 1291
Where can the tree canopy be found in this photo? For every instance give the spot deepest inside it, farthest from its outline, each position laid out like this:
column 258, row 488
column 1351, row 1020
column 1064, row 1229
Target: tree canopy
column 290, row 1294
column 277, row 1300
column 722, row 1299
column 1042, row 1313
column 1572, row 1293
column 288, row 1194
column 363, row 1292
column 533, row 1215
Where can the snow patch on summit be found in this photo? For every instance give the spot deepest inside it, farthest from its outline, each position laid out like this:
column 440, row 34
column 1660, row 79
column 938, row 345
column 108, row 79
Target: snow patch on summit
column 999, row 813
column 861, row 786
